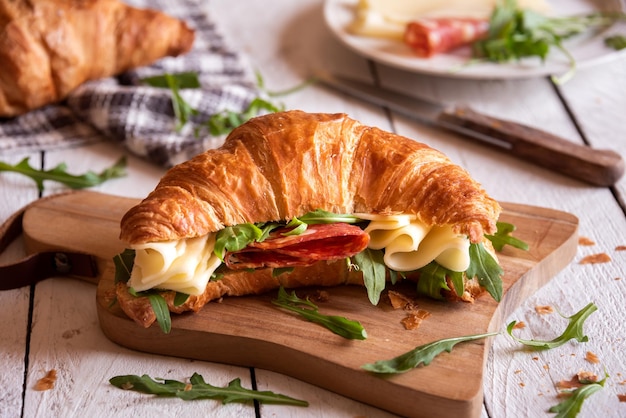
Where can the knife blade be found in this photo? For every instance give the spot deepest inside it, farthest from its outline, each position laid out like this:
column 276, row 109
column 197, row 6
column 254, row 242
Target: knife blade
column 598, row 167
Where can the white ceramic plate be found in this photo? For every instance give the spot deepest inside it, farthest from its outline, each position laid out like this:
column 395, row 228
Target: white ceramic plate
column 588, row 50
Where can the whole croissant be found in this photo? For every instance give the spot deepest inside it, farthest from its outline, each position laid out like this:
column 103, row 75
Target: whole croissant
column 283, row 165
column 49, row 47
column 278, row 166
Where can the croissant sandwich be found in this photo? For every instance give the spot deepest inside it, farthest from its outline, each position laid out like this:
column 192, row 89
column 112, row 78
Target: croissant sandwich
column 298, row 199
column 50, row 47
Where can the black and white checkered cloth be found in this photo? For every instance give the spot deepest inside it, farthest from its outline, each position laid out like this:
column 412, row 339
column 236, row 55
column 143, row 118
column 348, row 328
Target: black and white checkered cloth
column 142, row 117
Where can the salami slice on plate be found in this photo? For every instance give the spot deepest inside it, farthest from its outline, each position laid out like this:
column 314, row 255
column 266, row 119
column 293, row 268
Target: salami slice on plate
column 428, row 37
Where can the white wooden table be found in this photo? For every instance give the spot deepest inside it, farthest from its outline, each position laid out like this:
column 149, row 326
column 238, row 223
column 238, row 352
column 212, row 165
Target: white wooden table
column 54, row 325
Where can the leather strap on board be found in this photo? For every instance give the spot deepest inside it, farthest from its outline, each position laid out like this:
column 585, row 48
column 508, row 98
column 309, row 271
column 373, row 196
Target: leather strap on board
column 39, row 266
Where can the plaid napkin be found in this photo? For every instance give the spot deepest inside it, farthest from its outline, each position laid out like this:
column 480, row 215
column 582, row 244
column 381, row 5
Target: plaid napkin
column 142, row 117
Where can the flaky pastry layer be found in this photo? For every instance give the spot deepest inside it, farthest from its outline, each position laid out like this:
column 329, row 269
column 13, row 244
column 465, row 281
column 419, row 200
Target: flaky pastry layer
column 281, row 165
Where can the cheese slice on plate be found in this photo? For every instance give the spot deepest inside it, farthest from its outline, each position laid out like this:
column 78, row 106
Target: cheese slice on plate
column 388, row 18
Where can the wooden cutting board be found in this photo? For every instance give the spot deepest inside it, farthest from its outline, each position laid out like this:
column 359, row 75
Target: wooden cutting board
column 250, row 331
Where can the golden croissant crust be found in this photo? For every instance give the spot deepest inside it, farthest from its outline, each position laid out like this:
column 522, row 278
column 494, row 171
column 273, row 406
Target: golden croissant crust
column 281, row 165
column 49, row 47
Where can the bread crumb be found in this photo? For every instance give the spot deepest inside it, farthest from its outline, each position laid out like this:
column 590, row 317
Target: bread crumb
column 541, row 310
column 587, row 377
column 320, row 296
column 592, row 358
column 595, row 259
column 620, row 248
column 535, row 358
column 414, row 319
column 398, row 300
column 573, row 383
column 46, row 382
column 518, row 371
column 586, row 241
column 621, row 397
column 578, row 380
column 519, row 325
column 522, row 384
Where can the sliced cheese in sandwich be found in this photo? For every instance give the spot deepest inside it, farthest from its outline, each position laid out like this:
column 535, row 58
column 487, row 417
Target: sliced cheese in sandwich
column 410, row 244
column 186, row 265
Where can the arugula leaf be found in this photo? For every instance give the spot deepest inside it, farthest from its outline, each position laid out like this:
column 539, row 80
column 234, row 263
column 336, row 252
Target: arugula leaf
column 432, row 280
column 339, row 325
column 571, row 406
column 371, row 264
column 281, row 270
column 162, row 312
column 486, row 269
column 227, row 120
column 617, row 42
column 516, row 33
column 185, row 80
column 235, row 238
column 423, row 354
column 298, row 227
column 320, row 216
column 60, row 174
column 503, row 237
column 182, row 110
column 180, row 298
column 199, row 389
column 574, row 330
column 124, row 265
column 217, row 124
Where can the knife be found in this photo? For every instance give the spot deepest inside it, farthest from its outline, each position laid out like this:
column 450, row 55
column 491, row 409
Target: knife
column 598, row 167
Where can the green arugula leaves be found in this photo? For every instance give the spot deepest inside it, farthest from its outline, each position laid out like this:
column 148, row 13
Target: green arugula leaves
column 503, row 237
column 320, row 216
column 434, row 278
column 227, row 120
column 235, row 238
column 220, row 123
column 571, row 406
column 197, row 388
column 423, row 354
column 161, row 310
column 617, row 42
column 124, row 265
column 370, row 264
column 188, row 80
column 339, row 325
column 486, row 269
column 516, row 33
column 59, row 174
column 574, row 330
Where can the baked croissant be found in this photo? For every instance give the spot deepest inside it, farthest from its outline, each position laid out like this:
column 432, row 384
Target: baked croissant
column 282, row 166
column 49, row 47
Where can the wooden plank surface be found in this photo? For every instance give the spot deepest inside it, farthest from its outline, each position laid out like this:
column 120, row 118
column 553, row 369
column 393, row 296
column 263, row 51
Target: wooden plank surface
column 242, row 331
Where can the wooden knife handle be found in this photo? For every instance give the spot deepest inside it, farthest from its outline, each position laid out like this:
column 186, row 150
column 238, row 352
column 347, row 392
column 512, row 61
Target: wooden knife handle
column 597, row 167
